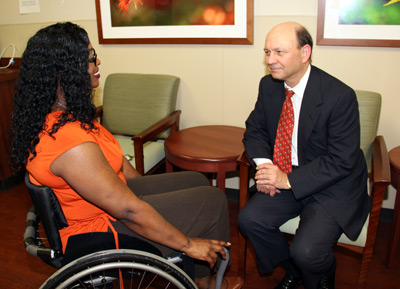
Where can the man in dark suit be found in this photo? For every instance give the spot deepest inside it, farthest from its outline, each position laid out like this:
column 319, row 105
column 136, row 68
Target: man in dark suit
column 327, row 181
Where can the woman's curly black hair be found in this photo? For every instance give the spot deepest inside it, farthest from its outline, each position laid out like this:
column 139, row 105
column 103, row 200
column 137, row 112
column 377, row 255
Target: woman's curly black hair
column 56, row 58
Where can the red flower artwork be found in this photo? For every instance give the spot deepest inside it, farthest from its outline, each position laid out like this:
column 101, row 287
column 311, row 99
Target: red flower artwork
column 124, row 4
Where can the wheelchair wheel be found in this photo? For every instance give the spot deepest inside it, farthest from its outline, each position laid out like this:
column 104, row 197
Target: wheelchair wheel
column 120, row 269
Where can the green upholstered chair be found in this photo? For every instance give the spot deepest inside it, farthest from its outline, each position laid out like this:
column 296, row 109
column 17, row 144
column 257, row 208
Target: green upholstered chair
column 376, row 155
column 139, row 110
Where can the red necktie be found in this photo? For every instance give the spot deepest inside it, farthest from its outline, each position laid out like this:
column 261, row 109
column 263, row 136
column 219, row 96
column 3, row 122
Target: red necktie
column 283, row 142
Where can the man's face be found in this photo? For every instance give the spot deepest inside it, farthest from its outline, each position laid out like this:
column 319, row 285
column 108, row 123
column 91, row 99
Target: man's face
column 284, row 59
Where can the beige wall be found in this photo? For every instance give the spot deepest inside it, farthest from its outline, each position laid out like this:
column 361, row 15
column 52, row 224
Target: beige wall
column 219, row 83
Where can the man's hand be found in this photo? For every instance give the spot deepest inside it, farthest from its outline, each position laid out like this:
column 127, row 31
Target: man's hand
column 268, row 189
column 270, row 179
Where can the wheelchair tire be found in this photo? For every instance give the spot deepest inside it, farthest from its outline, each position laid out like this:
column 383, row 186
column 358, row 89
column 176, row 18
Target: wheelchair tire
column 111, row 268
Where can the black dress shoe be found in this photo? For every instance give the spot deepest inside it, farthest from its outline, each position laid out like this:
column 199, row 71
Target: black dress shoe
column 327, row 282
column 289, row 282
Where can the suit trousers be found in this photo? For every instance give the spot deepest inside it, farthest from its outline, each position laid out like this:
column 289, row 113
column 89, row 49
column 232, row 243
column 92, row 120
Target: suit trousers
column 188, row 202
column 311, row 247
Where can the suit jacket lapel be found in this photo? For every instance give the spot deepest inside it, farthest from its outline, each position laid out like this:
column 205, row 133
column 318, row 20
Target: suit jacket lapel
column 309, row 112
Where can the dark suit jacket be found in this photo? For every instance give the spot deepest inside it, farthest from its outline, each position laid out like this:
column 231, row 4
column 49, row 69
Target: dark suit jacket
column 332, row 166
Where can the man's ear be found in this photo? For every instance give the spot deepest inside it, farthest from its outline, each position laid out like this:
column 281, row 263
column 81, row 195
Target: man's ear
column 306, row 53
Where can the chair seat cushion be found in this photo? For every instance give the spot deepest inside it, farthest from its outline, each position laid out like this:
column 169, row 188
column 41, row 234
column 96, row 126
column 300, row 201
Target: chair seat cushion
column 153, row 151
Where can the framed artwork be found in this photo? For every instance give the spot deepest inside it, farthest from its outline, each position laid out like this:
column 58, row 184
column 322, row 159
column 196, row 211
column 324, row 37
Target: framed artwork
column 374, row 23
column 175, row 21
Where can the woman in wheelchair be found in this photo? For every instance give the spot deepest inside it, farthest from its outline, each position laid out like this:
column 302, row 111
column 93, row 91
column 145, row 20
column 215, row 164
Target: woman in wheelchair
column 56, row 138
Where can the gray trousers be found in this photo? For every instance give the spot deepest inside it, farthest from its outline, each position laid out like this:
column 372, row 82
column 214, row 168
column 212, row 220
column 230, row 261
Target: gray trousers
column 188, row 202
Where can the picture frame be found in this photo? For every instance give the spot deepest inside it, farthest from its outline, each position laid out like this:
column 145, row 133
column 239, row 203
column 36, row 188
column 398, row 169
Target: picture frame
column 240, row 33
column 331, row 33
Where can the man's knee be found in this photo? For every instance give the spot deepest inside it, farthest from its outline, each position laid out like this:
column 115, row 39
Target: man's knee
column 248, row 222
column 311, row 258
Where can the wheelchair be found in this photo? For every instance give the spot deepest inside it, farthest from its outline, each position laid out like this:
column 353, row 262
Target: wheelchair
column 91, row 260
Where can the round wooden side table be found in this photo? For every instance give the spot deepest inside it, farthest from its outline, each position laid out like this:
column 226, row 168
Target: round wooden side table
column 209, row 149
column 394, row 157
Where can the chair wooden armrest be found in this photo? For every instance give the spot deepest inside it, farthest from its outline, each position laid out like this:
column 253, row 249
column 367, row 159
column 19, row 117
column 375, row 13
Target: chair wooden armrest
column 380, row 172
column 170, row 121
column 379, row 179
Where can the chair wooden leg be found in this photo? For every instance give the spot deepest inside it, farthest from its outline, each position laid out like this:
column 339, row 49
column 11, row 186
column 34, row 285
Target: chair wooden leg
column 375, row 213
column 365, row 264
column 395, row 232
column 168, row 167
column 242, row 243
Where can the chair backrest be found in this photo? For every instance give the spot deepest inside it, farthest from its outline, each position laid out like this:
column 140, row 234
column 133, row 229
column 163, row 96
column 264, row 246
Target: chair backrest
column 369, row 104
column 50, row 213
column 133, row 102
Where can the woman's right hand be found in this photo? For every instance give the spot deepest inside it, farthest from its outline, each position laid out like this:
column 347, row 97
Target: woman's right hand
column 205, row 249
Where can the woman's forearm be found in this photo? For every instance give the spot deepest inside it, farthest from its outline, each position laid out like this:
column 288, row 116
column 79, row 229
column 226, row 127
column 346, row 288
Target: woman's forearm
column 148, row 223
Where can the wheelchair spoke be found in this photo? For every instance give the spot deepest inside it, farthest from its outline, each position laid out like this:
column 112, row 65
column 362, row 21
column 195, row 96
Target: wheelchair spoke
column 141, row 280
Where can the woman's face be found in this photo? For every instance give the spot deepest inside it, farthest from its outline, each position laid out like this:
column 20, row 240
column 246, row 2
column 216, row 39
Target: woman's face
column 93, row 67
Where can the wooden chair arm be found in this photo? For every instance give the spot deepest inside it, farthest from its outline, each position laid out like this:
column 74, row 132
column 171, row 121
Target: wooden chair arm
column 170, row 121
column 380, row 170
column 378, row 182
column 379, row 179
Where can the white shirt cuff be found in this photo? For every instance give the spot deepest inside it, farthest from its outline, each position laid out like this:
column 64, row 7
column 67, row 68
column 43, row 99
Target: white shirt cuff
column 260, row 161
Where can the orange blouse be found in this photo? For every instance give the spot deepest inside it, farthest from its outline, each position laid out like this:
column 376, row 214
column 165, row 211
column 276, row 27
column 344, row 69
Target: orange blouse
column 82, row 216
